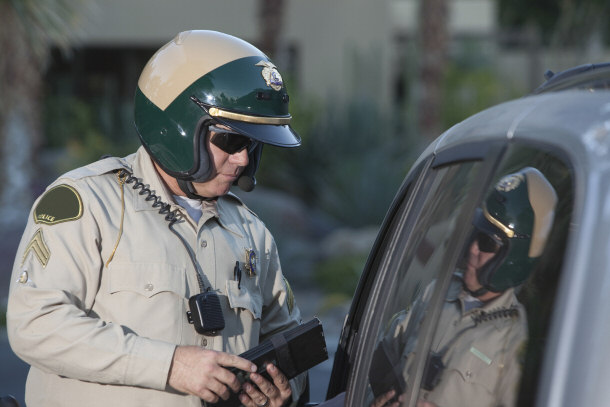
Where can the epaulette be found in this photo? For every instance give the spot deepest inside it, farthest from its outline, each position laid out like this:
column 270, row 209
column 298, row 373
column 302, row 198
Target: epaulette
column 234, row 198
column 62, row 202
column 102, row 166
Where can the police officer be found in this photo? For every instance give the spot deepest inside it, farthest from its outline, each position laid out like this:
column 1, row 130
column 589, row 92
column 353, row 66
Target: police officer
column 474, row 359
column 139, row 279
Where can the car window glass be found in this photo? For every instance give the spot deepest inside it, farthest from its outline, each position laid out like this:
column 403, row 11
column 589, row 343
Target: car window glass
column 487, row 351
column 421, row 247
column 479, row 354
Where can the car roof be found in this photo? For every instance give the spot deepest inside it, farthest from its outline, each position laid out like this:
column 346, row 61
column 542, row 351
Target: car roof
column 587, row 76
column 575, row 122
column 578, row 121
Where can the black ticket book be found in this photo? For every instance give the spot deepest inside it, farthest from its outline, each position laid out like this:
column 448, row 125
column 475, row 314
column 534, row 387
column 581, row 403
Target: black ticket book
column 385, row 373
column 293, row 352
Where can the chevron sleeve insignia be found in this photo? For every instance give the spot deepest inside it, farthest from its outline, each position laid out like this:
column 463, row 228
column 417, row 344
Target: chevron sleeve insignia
column 39, row 249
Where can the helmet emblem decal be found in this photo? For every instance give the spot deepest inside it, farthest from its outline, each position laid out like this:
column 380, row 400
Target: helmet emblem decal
column 509, row 182
column 271, row 75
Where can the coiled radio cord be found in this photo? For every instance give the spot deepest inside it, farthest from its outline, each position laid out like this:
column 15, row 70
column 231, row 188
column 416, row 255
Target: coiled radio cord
column 171, row 216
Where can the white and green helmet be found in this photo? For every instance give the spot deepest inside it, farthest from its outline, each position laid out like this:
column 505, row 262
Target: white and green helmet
column 202, row 78
column 518, row 214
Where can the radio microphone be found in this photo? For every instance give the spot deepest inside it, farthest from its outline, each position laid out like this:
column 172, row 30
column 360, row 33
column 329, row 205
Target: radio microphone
column 246, row 183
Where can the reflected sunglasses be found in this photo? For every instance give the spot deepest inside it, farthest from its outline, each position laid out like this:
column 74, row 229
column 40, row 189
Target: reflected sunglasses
column 230, row 142
column 487, row 243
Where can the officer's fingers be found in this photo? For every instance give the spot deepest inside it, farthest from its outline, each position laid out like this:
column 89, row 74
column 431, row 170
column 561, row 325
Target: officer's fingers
column 255, row 396
column 280, row 381
column 226, row 378
column 219, row 389
column 209, row 396
column 226, row 359
column 384, row 398
column 265, row 386
column 246, row 401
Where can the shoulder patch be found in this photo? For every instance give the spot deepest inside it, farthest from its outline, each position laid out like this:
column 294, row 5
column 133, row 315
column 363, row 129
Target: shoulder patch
column 59, row 204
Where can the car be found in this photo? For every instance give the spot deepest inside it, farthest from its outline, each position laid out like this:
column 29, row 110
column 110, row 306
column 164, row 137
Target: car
column 562, row 129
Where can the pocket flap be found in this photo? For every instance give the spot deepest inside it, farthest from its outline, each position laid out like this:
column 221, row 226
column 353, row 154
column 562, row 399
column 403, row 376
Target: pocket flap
column 243, row 298
column 146, row 279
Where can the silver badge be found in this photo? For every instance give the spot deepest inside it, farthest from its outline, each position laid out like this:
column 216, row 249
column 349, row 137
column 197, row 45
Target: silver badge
column 271, row 75
column 250, row 262
column 509, row 182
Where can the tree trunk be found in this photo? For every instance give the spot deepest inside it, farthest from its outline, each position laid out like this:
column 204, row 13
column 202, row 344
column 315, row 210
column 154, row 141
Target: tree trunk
column 20, row 115
column 433, row 49
column 271, row 16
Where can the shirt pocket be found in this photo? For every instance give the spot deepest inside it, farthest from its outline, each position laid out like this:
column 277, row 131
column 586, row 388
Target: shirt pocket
column 148, row 299
column 477, row 367
column 242, row 297
column 146, row 279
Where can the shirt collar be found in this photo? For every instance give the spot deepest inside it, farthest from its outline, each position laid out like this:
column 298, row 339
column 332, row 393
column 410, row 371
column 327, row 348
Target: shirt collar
column 506, row 300
column 221, row 209
column 228, row 217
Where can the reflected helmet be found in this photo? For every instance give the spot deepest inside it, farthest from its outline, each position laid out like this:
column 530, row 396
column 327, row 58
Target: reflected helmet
column 202, row 78
column 518, row 216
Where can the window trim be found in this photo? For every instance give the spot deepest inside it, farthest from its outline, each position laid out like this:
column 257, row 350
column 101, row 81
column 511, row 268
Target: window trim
column 490, row 153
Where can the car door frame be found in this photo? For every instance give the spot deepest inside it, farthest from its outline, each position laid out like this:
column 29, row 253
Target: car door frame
column 358, row 320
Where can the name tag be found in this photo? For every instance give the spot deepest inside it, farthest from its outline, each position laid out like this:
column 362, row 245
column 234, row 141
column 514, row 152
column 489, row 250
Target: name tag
column 480, row 355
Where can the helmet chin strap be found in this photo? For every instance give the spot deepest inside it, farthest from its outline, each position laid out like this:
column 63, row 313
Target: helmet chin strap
column 476, row 293
column 245, row 182
column 188, row 188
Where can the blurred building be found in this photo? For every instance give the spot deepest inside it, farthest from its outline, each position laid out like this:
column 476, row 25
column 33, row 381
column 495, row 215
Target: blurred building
column 332, row 50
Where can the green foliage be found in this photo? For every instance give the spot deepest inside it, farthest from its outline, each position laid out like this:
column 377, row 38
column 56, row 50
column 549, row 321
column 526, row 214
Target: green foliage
column 560, row 23
column 519, row 13
column 339, row 276
column 49, row 22
column 349, row 166
column 471, row 85
column 78, row 126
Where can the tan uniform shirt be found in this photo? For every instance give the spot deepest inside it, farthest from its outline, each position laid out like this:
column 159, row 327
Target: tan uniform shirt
column 99, row 293
column 482, row 360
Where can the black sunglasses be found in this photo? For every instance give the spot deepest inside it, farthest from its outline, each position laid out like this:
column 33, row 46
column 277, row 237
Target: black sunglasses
column 487, row 243
column 230, row 142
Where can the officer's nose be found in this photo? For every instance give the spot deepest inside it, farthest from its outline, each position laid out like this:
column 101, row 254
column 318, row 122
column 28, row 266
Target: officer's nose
column 240, row 158
column 474, row 248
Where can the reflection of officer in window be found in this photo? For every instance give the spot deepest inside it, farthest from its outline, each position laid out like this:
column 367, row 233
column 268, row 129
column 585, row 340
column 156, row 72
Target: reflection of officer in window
column 474, row 356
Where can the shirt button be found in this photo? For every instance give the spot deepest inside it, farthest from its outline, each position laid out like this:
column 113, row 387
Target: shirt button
column 204, row 243
column 149, row 287
column 205, row 342
column 468, row 374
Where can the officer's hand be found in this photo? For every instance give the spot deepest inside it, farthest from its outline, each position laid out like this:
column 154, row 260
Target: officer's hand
column 202, row 372
column 385, row 398
column 266, row 393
